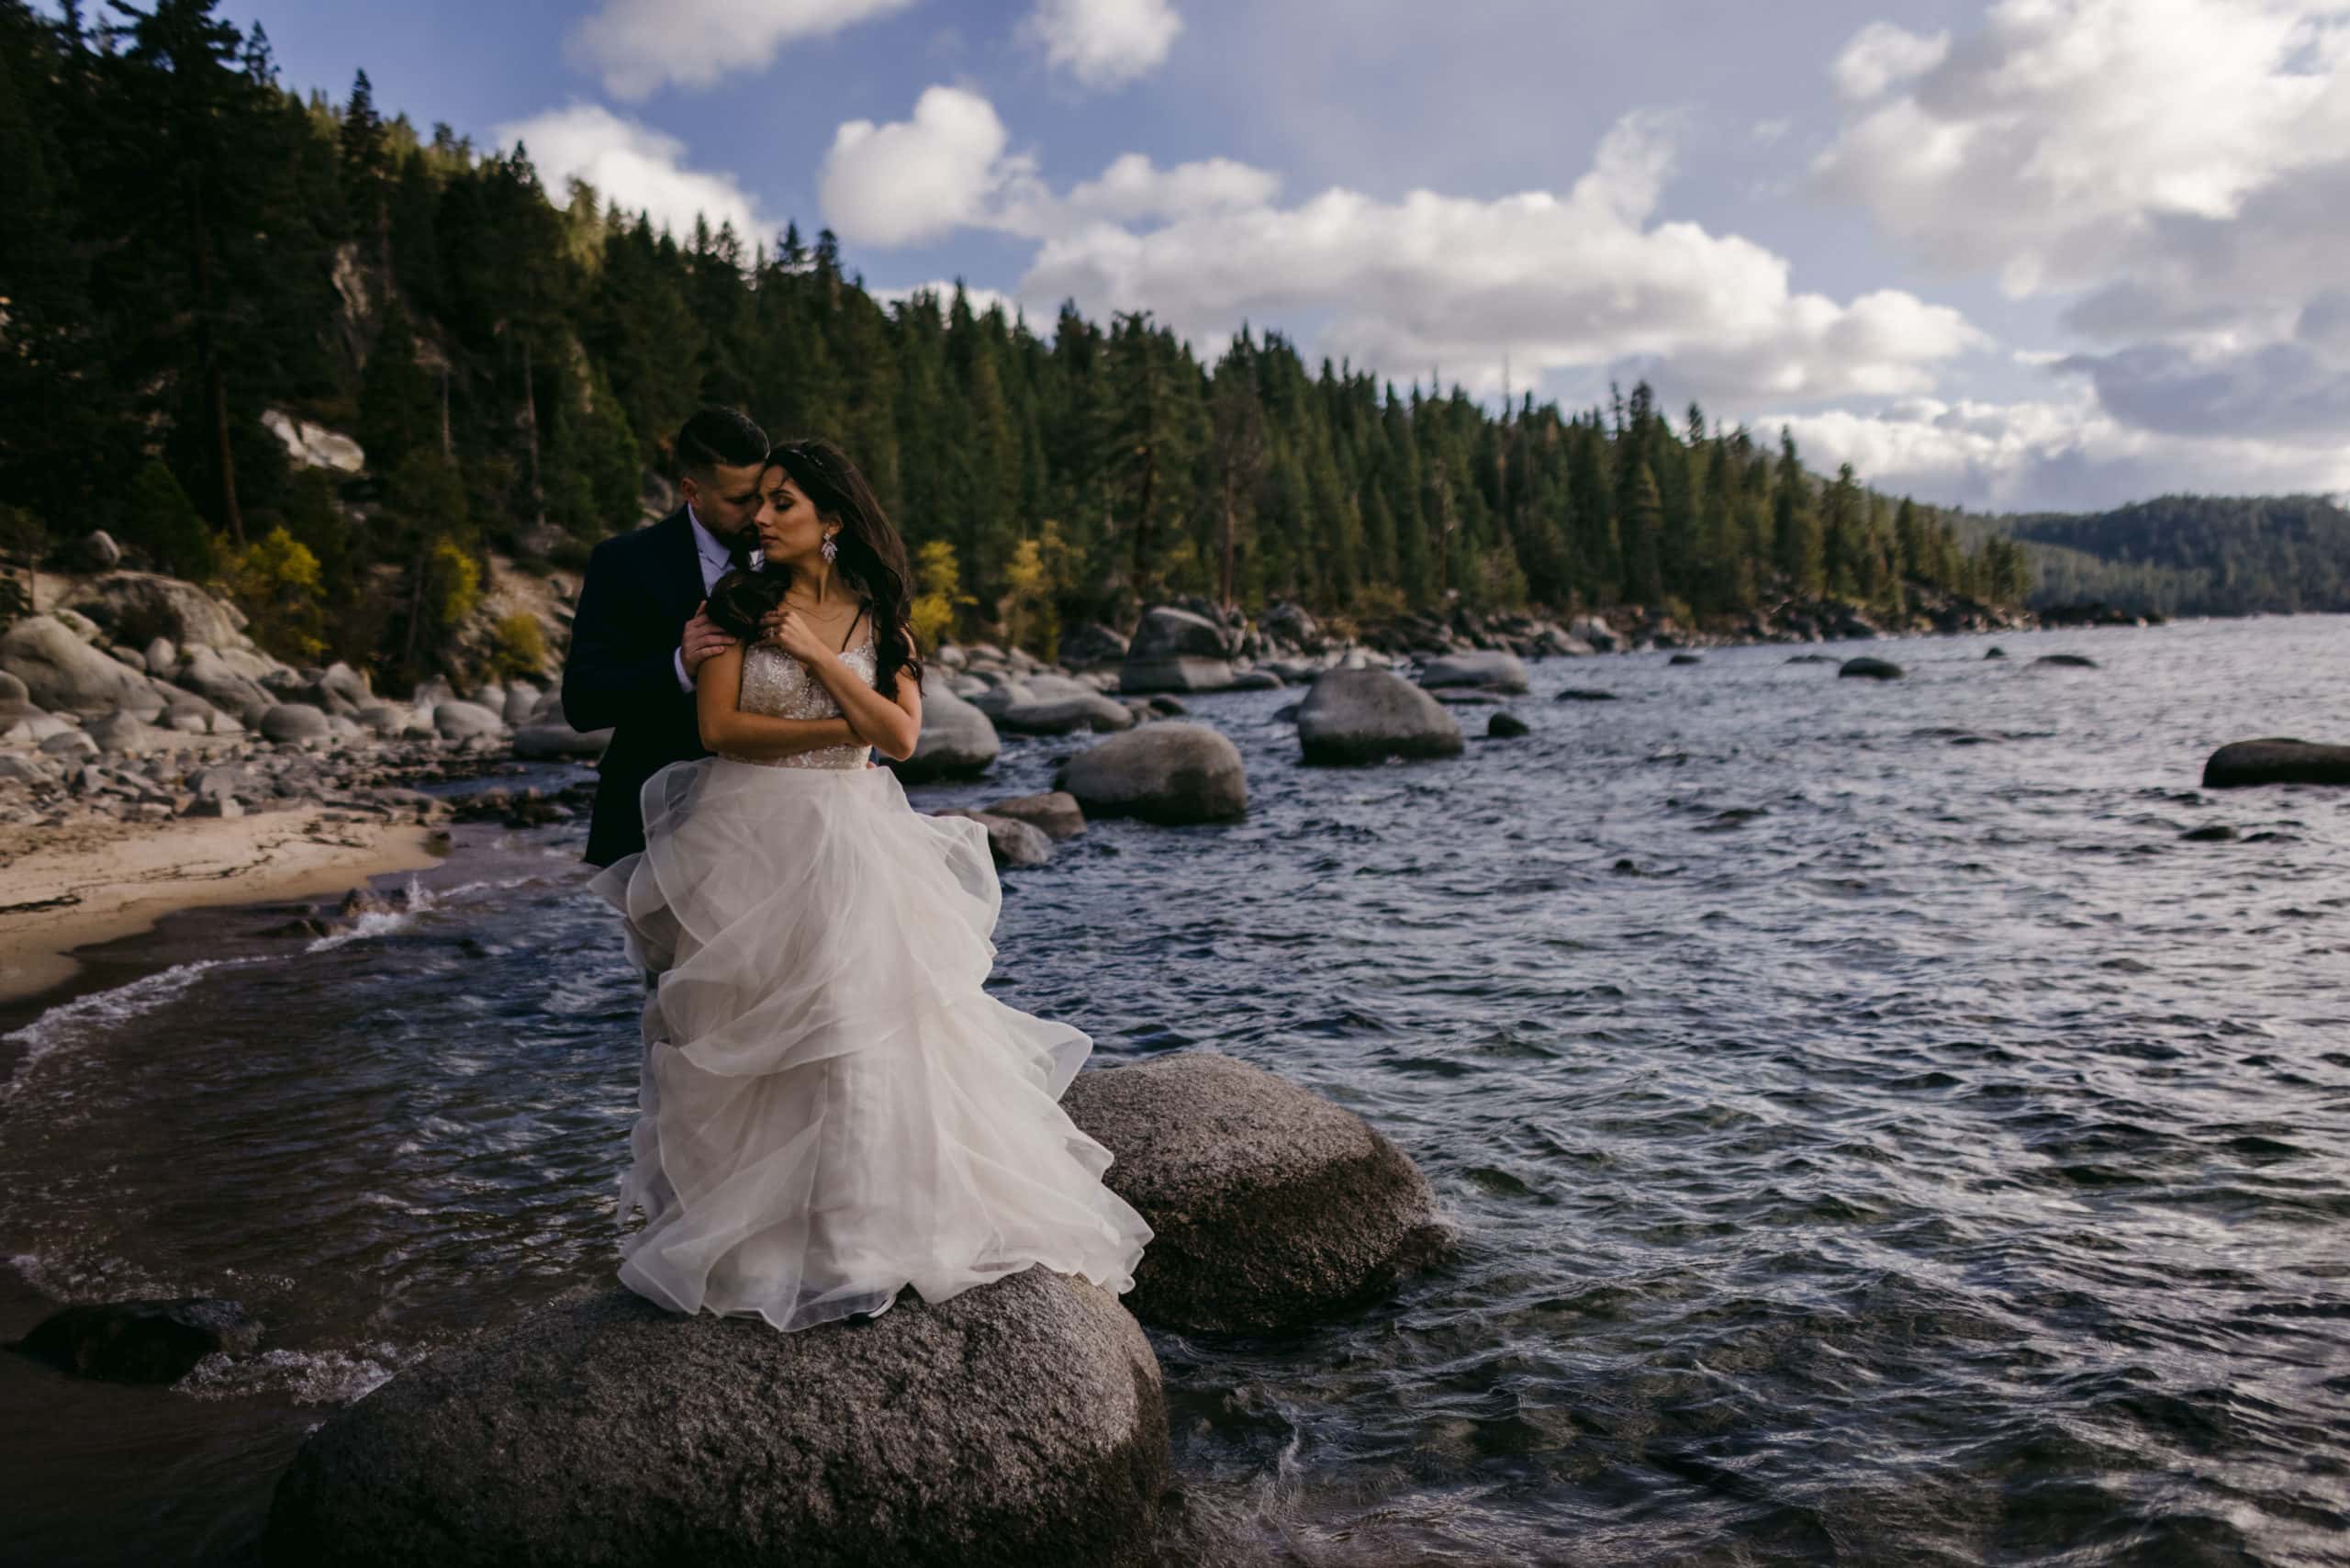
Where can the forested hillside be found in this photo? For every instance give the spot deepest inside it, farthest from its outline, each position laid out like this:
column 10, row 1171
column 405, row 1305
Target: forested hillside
column 192, row 246
column 2195, row 555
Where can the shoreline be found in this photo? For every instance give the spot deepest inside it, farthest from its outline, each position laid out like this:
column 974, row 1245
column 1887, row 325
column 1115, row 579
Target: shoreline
column 98, row 881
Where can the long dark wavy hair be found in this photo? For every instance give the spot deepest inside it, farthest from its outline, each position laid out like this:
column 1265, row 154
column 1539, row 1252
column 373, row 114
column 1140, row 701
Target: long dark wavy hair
column 871, row 560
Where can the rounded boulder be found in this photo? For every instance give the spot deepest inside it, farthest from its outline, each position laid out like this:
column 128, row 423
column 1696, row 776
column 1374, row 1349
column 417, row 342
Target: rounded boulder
column 957, row 740
column 1271, row 1206
column 1869, row 669
column 1479, row 669
column 2276, row 760
column 1018, row 1425
column 62, row 674
column 1171, row 773
column 1368, row 715
column 294, row 722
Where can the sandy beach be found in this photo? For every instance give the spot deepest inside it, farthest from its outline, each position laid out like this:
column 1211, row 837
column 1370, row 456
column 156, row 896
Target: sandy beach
column 93, row 880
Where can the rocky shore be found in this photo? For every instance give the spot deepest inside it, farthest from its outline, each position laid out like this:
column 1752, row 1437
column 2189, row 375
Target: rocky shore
column 138, row 704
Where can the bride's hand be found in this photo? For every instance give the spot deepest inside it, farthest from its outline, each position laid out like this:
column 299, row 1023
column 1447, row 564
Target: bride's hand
column 790, row 631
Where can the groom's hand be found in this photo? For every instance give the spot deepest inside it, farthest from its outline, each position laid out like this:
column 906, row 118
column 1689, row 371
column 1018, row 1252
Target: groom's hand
column 703, row 640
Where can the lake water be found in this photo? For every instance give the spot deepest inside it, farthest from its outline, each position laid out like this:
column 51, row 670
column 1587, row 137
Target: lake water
column 1873, row 1133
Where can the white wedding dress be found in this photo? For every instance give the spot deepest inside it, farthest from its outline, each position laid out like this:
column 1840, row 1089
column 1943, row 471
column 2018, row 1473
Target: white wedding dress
column 830, row 1107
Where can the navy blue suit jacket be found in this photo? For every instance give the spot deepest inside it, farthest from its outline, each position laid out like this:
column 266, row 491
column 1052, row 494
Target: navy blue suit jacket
column 639, row 591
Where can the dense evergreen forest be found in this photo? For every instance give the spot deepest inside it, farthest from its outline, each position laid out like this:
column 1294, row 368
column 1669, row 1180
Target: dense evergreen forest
column 2194, row 555
column 192, row 246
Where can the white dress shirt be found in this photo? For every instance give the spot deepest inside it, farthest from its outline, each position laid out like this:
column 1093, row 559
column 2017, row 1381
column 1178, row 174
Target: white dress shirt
column 714, row 560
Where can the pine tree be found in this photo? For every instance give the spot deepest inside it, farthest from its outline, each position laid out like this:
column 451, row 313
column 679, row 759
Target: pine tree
column 399, row 407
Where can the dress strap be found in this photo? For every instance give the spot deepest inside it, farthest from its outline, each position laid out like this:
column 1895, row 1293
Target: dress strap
column 851, row 628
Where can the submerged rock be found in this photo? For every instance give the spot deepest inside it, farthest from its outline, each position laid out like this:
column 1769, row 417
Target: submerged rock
column 2276, row 760
column 1015, row 846
column 1172, row 773
column 1485, row 670
column 2068, row 661
column 1684, row 659
column 1368, row 715
column 1055, row 812
column 1869, row 669
column 1505, row 726
column 140, row 1341
column 1065, row 715
column 2210, row 833
column 1018, row 1425
column 1585, row 694
column 1271, row 1206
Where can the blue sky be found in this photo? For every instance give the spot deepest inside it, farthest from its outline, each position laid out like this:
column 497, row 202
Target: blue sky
column 2031, row 254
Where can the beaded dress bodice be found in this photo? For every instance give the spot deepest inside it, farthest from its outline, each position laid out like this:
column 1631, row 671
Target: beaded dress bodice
column 778, row 686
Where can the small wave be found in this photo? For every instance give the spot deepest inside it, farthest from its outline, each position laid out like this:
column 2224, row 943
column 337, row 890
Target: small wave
column 308, row 1377
column 416, row 899
column 88, row 1017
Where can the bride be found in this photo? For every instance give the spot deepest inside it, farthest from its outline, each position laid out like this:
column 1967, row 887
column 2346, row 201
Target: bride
column 831, row 1106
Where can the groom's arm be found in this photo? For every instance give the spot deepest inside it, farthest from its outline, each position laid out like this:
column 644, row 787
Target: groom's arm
column 618, row 666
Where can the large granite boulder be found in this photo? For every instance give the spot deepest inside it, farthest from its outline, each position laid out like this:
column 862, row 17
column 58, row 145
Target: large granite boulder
column 292, row 723
column 958, row 740
column 1175, row 650
column 1272, row 1206
column 1172, row 773
column 1092, row 645
column 140, row 1341
column 1018, row 1425
column 1368, row 715
column 62, row 674
column 456, row 721
column 209, row 673
column 1478, row 670
column 135, row 608
column 2276, row 760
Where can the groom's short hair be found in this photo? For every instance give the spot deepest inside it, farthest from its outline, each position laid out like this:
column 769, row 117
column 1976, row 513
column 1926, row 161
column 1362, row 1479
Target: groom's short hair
column 720, row 438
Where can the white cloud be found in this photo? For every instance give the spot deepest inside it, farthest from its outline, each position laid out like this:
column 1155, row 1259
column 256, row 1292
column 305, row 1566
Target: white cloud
column 631, row 166
column 2046, row 146
column 1104, row 43
column 1132, row 188
column 2181, row 170
column 1767, row 131
column 2066, row 452
column 1881, row 54
column 915, row 180
column 641, row 45
column 1542, row 281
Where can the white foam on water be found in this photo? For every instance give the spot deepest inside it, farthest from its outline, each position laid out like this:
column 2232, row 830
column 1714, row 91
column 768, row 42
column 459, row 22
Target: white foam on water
column 308, row 1377
column 416, row 899
column 87, row 1018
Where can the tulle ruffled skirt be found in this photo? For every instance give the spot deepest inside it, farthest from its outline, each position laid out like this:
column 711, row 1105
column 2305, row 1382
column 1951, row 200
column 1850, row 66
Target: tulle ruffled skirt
column 831, row 1107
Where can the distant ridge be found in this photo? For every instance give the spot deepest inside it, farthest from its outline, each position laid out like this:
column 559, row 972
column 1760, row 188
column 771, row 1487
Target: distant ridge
column 2192, row 555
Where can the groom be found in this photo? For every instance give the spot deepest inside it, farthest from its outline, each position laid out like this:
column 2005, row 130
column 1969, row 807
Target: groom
column 639, row 632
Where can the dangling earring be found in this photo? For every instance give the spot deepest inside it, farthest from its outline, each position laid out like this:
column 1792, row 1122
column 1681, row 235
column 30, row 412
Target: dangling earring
column 828, row 549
